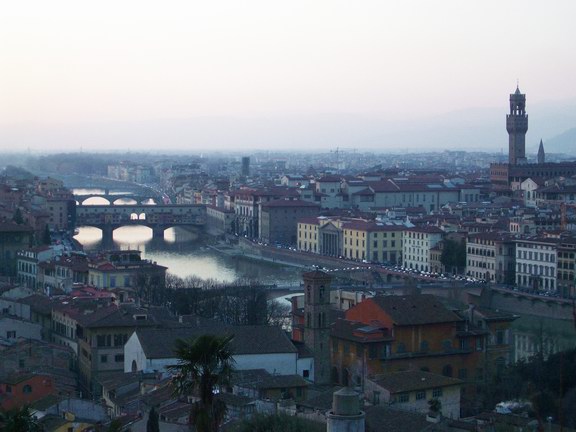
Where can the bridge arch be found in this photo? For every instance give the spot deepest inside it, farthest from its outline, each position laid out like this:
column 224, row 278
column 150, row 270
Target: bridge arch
column 89, row 200
column 116, row 201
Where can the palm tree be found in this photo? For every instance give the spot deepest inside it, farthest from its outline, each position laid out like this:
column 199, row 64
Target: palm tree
column 205, row 363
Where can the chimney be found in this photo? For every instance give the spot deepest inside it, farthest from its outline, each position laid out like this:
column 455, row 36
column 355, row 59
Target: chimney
column 471, row 308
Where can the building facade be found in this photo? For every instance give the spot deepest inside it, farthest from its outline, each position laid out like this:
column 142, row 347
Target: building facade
column 417, row 243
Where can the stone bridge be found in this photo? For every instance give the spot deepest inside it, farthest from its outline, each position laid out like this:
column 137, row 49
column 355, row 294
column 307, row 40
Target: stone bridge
column 113, row 198
column 157, row 217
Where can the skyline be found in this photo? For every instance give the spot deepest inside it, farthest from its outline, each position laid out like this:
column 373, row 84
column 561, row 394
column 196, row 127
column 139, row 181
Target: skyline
column 137, row 76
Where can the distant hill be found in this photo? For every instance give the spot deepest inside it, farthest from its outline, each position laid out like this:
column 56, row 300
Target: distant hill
column 467, row 129
column 563, row 143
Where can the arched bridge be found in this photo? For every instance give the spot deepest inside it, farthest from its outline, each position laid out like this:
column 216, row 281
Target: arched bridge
column 157, row 217
column 112, row 198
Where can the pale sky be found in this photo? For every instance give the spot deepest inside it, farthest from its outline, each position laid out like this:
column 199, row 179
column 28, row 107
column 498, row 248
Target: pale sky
column 67, row 63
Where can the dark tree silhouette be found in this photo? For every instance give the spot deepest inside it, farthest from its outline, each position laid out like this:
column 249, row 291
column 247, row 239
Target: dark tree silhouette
column 204, row 364
column 20, row 420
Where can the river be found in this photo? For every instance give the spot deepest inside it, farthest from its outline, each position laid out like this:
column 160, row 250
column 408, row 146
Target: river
column 184, row 254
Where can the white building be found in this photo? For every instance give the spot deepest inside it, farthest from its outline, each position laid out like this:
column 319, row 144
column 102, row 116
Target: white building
column 254, row 347
column 529, row 189
column 536, row 263
column 416, row 246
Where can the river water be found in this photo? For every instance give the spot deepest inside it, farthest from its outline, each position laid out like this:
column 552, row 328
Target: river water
column 184, row 254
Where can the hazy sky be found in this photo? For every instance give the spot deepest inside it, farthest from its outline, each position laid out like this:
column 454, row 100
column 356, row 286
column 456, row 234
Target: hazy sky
column 67, row 63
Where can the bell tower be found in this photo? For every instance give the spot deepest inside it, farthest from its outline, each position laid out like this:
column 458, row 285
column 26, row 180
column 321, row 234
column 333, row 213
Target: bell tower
column 517, row 126
column 541, row 153
column 317, row 322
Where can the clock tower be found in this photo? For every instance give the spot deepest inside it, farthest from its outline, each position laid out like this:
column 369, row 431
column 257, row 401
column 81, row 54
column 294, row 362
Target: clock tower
column 517, row 126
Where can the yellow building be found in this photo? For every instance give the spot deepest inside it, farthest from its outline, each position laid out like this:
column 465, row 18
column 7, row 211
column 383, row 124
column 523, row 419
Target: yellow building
column 373, row 241
column 349, row 238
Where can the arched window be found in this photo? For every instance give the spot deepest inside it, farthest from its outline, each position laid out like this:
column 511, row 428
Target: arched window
column 134, row 366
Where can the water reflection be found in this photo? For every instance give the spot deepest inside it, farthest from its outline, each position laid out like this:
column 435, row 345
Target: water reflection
column 185, row 255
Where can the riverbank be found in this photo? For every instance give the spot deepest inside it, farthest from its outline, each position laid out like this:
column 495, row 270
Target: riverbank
column 253, row 254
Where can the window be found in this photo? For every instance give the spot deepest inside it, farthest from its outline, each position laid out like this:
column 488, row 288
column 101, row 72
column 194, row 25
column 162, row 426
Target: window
column 8, row 388
column 463, row 374
column 27, row 389
column 118, row 340
column 100, row 340
column 437, row 392
column 11, row 334
column 373, row 351
column 424, row 347
column 400, row 348
column 500, row 337
column 306, row 373
column 420, row 395
column 104, row 358
column 404, row 397
column 119, row 358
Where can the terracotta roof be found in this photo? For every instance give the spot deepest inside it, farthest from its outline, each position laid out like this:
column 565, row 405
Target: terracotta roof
column 415, row 309
column 426, row 229
column 289, row 203
column 492, row 235
column 384, row 186
column 363, row 225
column 39, row 303
column 359, row 332
column 309, row 220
